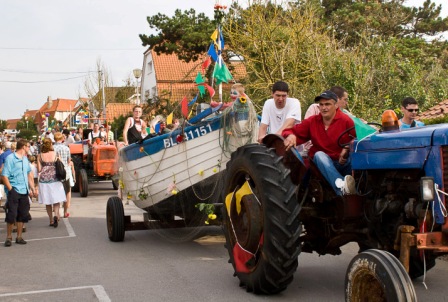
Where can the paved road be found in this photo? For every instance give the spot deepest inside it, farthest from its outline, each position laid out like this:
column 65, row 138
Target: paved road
column 77, row 262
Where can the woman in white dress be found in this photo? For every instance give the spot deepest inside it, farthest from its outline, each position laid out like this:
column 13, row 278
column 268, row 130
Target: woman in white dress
column 51, row 190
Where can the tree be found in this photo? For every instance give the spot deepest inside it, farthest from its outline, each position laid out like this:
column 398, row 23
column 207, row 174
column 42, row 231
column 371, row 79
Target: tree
column 118, row 126
column 93, row 84
column 186, row 34
column 3, row 125
column 28, row 134
column 375, row 49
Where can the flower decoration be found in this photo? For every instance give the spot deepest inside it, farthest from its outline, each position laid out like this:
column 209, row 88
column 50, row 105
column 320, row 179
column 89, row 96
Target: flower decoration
column 215, row 170
column 209, row 209
column 121, row 184
column 179, row 138
column 229, row 132
column 120, row 169
column 201, row 172
column 142, row 149
column 142, row 195
column 129, row 195
column 243, row 100
column 172, row 189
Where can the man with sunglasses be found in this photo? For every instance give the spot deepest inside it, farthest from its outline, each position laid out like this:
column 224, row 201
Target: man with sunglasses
column 409, row 108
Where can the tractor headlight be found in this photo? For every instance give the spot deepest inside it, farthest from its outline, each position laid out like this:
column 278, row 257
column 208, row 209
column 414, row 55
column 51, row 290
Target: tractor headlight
column 427, row 188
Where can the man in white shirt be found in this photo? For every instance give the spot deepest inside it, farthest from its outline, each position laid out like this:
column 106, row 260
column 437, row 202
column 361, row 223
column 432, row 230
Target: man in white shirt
column 280, row 112
column 95, row 133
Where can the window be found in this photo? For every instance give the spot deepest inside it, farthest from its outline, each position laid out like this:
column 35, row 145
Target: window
column 150, row 67
column 154, row 91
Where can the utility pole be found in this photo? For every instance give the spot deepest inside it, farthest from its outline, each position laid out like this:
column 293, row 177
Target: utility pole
column 103, row 95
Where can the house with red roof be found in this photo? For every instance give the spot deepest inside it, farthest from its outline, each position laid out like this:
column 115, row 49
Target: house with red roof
column 166, row 77
column 439, row 110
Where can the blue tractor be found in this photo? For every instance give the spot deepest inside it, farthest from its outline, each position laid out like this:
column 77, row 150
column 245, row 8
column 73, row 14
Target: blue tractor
column 277, row 205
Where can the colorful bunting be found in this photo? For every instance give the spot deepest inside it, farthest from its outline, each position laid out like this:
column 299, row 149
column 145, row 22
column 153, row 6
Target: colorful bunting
column 200, row 80
column 221, row 73
column 184, row 107
column 210, row 90
column 193, row 100
column 214, row 35
column 206, row 64
column 169, row 118
column 212, row 52
column 157, row 128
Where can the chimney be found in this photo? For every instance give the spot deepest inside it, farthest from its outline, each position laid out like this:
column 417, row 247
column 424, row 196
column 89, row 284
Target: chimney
column 49, row 102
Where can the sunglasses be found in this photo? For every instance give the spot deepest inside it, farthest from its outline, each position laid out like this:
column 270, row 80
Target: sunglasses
column 411, row 110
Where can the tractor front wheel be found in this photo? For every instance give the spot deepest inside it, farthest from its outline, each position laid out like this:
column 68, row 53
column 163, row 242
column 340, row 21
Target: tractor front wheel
column 376, row 275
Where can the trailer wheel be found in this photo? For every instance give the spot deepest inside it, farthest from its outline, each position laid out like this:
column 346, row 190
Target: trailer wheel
column 115, row 219
column 380, row 275
column 83, row 183
column 267, row 223
column 114, row 185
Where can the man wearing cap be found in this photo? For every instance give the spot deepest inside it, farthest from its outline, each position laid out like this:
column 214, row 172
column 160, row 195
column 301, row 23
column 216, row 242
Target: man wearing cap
column 280, row 112
column 324, row 130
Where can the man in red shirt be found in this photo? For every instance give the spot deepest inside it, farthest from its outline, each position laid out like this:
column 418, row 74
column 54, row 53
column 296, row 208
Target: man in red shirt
column 324, row 130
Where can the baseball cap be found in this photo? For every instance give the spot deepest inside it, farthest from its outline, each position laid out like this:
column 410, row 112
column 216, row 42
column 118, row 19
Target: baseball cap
column 328, row 95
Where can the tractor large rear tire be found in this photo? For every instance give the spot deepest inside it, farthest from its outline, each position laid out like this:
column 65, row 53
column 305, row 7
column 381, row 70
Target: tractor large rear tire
column 83, row 183
column 115, row 219
column 275, row 217
column 376, row 275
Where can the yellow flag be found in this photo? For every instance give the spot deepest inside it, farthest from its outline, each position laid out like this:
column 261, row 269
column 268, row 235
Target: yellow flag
column 214, row 35
column 169, row 118
column 244, row 190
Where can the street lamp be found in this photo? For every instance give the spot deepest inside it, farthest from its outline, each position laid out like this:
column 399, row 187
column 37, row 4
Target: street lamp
column 137, row 74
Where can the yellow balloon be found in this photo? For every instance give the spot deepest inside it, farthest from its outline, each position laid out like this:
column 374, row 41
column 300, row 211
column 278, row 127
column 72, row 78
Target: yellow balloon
column 43, row 115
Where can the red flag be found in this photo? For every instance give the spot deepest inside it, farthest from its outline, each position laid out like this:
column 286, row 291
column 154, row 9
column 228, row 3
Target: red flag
column 206, row 64
column 210, row 90
column 185, row 107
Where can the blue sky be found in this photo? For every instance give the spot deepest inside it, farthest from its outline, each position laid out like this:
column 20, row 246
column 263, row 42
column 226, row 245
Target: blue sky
column 46, row 41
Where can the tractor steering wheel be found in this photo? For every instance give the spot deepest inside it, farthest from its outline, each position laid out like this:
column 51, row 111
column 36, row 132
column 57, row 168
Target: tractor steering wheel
column 340, row 144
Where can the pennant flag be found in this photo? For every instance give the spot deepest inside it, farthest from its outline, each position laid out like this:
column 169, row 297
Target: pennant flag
column 206, row 64
column 362, row 129
column 210, row 90
column 214, row 35
column 221, row 73
column 200, row 80
column 193, row 100
column 221, row 37
column 169, row 118
column 241, row 257
column 148, row 130
column 212, row 52
column 157, row 128
column 184, row 107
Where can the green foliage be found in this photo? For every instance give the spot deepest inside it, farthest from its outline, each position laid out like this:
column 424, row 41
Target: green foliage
column 29, row 134
column 437, row 120
column 378, row 50
column 117, row 126
column 3, row 125
column 185, row 34
column 123, row 94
